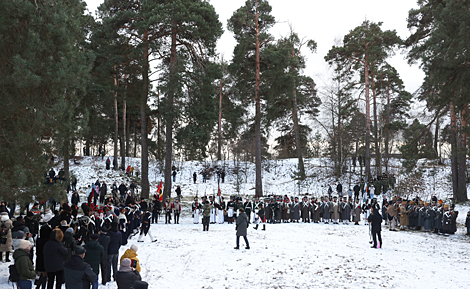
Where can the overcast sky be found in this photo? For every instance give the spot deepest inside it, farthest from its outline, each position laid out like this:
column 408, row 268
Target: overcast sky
column 324, row 21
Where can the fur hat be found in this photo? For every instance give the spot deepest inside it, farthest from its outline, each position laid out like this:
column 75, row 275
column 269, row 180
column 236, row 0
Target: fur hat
column 134, row 247
column 24, row 244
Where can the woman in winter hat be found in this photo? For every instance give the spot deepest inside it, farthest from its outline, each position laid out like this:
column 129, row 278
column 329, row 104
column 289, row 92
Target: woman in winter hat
column 5, row 239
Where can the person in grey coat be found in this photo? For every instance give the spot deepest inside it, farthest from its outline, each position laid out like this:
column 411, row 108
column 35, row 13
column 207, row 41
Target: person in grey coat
column 345, row 211
column 326, row 211
column 241, row 226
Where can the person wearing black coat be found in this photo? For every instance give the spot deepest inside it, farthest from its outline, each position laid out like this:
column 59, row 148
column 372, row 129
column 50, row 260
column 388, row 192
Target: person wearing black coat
column 78, row 273
column 103, row 191
column 69, row 243
column 375, row 219
column 54, row 255
column 155, row 209
column 104, row 241
column 94, row 255
column 113, row 249
column 44, row 235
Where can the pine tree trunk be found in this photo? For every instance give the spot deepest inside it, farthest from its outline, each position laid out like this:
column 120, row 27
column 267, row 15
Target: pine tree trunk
column 135, row 139
column 259, row 181
column 454, row 152
column 128, row 135
column 298, row 148
column 66, row 158
column 116, row 122
column 219, row 124
column 367, row 152
column 123, row 142
column 378, row 163
column 386, row 132
column 462, row 158
column 169, row 122
column 145, row 192
column 436, row 138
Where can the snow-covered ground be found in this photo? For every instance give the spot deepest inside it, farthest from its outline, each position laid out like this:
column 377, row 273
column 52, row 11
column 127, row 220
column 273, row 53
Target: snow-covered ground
column 286, row 255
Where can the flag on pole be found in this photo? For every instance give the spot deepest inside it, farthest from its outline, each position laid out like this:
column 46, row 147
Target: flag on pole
column 159, row 191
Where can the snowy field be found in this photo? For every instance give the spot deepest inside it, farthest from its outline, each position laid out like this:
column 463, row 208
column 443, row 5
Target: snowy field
column 286, row 255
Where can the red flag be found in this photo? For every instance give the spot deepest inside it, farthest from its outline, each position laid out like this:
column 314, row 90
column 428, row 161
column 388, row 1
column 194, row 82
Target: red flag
column 159, row 191
column 219, row 193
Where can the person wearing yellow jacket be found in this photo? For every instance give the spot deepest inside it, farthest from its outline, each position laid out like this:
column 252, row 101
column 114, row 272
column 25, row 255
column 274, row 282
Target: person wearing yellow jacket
column 132, row 254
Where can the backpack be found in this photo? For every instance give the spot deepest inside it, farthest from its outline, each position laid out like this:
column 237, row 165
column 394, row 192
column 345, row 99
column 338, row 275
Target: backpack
column 14, row 276
column 3, row 233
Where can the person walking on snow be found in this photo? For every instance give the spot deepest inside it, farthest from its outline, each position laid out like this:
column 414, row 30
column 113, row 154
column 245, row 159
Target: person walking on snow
column 241, row 226
column 145, row 227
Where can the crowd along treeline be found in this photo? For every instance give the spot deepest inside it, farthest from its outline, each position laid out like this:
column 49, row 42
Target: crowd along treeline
column 144, row 77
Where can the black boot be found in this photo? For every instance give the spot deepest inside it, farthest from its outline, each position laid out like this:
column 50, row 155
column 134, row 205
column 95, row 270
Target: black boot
column 264, row 227
column 256, row 227
column 7, row 256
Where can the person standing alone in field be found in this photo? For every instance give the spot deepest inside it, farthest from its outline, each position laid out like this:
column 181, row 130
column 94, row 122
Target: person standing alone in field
column 241, row 226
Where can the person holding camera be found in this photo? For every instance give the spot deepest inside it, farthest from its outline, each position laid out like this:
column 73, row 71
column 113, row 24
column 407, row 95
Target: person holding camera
column 126, row 275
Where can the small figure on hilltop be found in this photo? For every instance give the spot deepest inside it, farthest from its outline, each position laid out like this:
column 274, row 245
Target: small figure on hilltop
column 194, row 177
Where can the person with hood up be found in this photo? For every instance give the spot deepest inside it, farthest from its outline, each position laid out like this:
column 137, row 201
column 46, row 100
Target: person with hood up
column 78, row 273
column 94, row 255
column 127, row 275
column 23, row 265
column 5, row 239
column 241, row 226
column 54, row 255
column 131, row 254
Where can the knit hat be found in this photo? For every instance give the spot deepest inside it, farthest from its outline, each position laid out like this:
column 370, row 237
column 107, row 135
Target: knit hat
column 24, row 244
column 19, row 234
column 140, row 285
column 70, row 230
column 125, row 265
column 134, row 247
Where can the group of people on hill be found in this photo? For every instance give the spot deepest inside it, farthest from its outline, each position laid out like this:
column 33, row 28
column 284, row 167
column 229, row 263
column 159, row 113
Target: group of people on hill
column 71, row 249
column 220, row 173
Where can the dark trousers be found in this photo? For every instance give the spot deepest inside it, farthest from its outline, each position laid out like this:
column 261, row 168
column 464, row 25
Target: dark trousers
column 112, row 262
column 246, row 241
column 168, row 218
column 374, row 238
column 205, row 223
column 58, row 276
column 104, row 264
column 155, row 217
column 177, row 217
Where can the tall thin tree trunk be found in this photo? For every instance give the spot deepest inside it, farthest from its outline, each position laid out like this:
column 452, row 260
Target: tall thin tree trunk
column 386, row 131
column 135, row 139
column 116, row 122
column 169, row 122
column 123, row 142
column 144, row 158
column 259, row 181
column 219, row 124
column 454, row 152
column 378, row 163
column 367, row 152
column 298, row 147
column 436, row 138
column 462, row 159
column 66, row 158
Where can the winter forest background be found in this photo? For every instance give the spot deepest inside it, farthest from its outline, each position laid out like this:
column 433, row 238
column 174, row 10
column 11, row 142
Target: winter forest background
column 143, row 79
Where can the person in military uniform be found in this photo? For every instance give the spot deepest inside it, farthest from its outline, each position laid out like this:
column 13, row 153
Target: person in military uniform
column 248, row 206
column 335, row 210
column 176, row 210
column 286, row 209
column 404, row 220
column 213, row 213
column 206, row 215
column 260, row 216
column 315, row 210
column 168, row 209
column 296, row 210
column 305, row 210
column 356, row 212
column 345, row 211
column 326, row 208
column 196, row 207
column 221, row 208
column 230, row 210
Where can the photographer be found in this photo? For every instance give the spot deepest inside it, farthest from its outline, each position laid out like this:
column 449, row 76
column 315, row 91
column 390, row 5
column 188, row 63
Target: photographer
column 127, row 275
